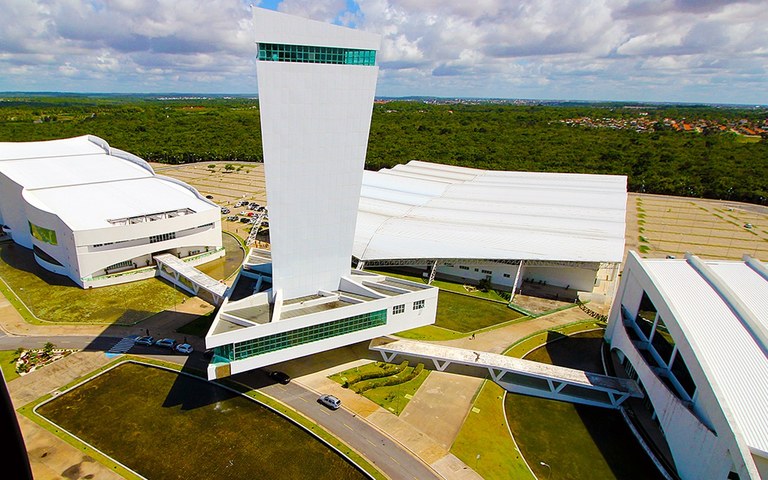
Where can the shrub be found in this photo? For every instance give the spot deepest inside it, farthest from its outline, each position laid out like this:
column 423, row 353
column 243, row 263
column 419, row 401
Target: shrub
column 388, row 381
column 386, row 369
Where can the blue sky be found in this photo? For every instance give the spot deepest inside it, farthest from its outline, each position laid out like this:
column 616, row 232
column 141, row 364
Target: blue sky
column 708, row 51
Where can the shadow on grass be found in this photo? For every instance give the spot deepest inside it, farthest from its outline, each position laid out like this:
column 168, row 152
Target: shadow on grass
column 607, row 447
column 21, row 258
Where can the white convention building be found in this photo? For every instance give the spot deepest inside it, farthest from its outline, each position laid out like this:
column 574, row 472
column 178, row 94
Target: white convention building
column 694, row 334
column 316, row 89
column 98, row 214
column 518, row 229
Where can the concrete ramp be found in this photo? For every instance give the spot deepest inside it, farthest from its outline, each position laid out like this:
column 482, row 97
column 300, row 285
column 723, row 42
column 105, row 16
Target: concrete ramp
column 518, row 375
column 190, row 279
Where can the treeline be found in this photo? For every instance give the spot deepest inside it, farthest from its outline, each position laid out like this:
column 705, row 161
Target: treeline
column 488, row 136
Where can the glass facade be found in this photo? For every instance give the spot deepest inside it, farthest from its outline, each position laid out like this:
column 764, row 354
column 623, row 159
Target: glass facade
column 275, row 52
column 646, row 315
column 660, row 350
column 300, row 336
column 43, row 234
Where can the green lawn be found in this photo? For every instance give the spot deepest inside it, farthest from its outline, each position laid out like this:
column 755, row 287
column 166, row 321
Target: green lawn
column 576, row 441
column 55, row 298
column 485, row 434
column 460, row 315
column 8, row 364
column 149, row 419
column 394, row 397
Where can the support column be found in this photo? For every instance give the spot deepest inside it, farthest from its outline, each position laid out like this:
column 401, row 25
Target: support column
column 432, row 273
column 514, row 284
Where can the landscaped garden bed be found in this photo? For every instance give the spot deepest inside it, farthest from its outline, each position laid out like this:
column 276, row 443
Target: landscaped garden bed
column 390, row 386
column 30, row 360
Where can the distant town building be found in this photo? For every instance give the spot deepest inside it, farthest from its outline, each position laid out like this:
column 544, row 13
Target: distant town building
column 98, row 214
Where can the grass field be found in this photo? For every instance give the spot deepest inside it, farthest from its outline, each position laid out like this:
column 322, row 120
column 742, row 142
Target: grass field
column 8, row 364
column 576, row 441
column 484, row 442
column 150, row 419
column 48, row 297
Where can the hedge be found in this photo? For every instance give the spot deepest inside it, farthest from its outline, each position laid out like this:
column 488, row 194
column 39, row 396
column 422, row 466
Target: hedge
column 387, row 369
column 396, row 379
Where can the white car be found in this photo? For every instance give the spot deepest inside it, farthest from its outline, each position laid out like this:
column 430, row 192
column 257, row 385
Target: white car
column 330, row 401
column 184, row 348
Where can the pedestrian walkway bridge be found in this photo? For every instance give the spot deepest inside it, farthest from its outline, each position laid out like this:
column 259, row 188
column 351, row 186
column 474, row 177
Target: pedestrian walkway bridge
column 190, row 279
column 518, row 375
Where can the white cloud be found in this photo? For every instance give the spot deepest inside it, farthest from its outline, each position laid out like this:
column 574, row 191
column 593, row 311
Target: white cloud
column 587, row 49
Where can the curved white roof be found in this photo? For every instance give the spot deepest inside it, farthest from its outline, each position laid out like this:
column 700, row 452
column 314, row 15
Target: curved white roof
column 86, row 183
column 427, row 210
column 729, row 348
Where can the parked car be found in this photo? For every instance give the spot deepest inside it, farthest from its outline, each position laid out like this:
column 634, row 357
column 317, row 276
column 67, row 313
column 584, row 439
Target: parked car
column 166, row 342
column 184, row 348
column 330, row 401
column 280, row 377
column 144, row 340
column 244, row 220
column 232, row 218
column 224, row 210
column 209, row 197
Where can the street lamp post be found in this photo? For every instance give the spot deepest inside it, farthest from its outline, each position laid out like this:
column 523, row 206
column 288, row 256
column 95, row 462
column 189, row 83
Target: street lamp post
column 549, row 469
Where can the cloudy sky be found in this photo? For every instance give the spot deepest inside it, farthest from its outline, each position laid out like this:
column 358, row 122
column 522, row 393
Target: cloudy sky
column 713, row 51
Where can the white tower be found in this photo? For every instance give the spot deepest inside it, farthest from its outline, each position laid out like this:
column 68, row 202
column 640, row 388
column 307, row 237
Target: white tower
column 316, row 89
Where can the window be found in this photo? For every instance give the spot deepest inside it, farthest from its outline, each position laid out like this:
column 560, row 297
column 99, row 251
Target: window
column 275, row 52
column 300, row 336
column 477, row 269
column 506, row 275
column 489, row 272
column 646, row 315
column 43, row 234
column 162, row 237
column 662, row 341
column 397, row 309
column 418, row 304
column 462, row 267
column 683, row 376
column 127, row 263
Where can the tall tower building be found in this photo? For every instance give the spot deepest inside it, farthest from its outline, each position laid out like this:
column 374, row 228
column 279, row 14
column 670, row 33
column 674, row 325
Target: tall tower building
column 316, row 90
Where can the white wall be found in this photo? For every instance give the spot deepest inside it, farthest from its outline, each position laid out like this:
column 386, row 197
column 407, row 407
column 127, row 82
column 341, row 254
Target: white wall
column 315, row 120
column 698, row 451
column 395, row 323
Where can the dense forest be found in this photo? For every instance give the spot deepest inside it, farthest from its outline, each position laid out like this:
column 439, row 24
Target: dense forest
column 712, row 162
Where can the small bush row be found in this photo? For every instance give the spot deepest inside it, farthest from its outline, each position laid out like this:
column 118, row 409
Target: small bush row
column 386, row 369
column 401, row 377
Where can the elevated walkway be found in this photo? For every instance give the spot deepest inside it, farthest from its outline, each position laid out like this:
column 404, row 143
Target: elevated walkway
column 190, row 279
column 518, row 375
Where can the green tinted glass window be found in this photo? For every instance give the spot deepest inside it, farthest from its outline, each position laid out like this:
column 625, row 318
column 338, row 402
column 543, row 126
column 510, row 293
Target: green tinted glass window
column 276, row 52
column 300, row 336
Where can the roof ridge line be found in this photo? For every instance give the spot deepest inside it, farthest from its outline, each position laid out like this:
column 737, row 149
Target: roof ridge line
column 748, row 319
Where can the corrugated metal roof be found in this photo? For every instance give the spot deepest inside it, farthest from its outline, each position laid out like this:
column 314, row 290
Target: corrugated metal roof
column 427, row 210
column 734, row 360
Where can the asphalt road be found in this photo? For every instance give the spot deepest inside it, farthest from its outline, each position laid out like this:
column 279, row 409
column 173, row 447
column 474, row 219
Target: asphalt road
column 391, row 458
